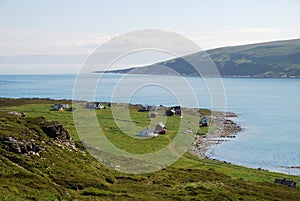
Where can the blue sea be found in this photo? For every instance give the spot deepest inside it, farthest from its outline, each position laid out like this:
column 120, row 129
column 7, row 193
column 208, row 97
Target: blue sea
column 268, row 109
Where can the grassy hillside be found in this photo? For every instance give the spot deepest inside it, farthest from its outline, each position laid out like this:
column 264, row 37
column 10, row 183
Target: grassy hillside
column 63, row 170
column 273, row 59
column 270, row 59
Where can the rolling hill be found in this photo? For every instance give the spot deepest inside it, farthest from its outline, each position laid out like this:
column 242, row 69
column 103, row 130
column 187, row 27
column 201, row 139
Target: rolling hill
column 269, row 59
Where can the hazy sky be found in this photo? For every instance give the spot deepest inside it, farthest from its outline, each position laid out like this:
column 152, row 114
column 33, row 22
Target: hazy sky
column 77, row 27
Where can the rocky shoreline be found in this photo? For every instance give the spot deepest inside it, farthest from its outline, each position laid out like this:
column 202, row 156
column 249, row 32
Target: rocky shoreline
column 225, row 129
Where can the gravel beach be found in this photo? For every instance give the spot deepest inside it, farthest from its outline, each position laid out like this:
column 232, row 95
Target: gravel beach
column 225, row 128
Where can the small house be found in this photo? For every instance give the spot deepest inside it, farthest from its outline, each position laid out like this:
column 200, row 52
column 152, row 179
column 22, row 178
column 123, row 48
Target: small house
column 160, row 128
column 204, row 122
column 59, row 107
column 170, row 112
column 289, row 183
column 94, row 105
column 147, row 133
column 177, row 110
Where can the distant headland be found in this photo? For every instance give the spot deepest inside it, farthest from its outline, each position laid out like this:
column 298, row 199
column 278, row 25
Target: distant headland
column 276, row 59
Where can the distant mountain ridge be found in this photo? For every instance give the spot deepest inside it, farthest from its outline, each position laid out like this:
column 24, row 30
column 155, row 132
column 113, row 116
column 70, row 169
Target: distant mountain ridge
column 269, row 59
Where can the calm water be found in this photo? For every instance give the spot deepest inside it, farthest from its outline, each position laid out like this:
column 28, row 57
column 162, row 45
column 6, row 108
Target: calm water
column 269, row 109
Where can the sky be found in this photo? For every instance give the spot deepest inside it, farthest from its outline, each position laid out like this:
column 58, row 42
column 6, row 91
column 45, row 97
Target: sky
column 72, row 27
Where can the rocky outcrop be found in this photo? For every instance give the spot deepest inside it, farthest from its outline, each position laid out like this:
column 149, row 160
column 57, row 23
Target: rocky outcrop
column 22, row 146
column 56, row 131
column 32, row 146
column 19, row 114
column 230, row 128
column 60, row 137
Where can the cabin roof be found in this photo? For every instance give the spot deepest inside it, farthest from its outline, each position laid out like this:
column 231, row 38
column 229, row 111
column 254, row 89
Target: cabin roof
column 286, row 182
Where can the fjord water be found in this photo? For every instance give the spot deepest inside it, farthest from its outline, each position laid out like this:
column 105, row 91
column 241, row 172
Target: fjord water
column 268, row 109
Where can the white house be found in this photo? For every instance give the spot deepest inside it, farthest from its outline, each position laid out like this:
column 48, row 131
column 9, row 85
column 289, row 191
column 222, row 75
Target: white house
column 147, row 133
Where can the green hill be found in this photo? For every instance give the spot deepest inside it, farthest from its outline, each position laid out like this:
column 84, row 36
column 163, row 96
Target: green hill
column 270, row 59
column 37, row 164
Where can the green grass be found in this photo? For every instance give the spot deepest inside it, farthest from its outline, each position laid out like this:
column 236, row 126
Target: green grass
column 131, row 143
column 61, row 174
column 108, row 126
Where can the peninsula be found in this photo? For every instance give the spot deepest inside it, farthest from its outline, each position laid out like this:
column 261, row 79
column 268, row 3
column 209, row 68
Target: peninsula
column 276, row 59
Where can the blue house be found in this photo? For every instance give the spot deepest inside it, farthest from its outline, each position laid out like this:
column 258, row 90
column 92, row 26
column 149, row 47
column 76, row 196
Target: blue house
column 204, row 122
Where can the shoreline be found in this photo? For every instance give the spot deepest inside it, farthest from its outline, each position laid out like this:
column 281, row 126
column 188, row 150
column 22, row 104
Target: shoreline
column 205, row 76
column 226, row 129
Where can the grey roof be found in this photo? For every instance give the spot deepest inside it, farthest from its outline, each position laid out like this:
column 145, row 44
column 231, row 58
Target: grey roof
column 286, row 182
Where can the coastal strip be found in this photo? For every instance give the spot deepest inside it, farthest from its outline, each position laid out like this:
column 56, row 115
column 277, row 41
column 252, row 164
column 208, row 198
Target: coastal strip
column 225, row 129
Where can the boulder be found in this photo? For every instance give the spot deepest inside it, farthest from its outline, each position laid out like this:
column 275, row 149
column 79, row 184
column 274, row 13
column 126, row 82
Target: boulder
column 56, row 131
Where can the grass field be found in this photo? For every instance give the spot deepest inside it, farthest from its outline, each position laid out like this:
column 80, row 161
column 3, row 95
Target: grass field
column 63, row 174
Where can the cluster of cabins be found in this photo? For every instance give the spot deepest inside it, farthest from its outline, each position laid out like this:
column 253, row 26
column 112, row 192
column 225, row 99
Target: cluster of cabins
column 175, row 110
column 89, row 105
column 160, row 127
